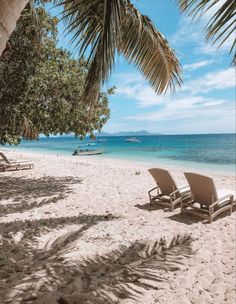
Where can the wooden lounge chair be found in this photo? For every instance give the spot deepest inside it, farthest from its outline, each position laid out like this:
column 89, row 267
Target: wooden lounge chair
column 167, row 193
column 204, row 201
column 7, row 164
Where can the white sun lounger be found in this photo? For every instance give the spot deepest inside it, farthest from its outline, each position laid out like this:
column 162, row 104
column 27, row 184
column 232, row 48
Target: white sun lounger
column 7, row 164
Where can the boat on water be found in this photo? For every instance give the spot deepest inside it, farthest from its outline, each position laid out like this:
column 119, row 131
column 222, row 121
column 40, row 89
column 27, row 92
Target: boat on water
column 82, row 152
column 87, row 144
column 132, row 139
column 102, row 140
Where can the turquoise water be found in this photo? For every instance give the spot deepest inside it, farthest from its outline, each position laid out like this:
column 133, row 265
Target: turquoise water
column 211, row 151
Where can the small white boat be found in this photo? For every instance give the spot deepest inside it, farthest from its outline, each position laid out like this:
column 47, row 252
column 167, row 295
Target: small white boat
column 82, row 152
column 132, row 139
column 102, row 140
column 86, row 144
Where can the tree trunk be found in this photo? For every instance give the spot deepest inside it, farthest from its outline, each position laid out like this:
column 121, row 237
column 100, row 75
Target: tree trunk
column 10, row 11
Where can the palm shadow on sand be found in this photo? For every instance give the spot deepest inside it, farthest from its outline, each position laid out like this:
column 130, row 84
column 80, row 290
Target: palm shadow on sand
column 21, row 262
column 34, row 274
column 22, row 190
column 45, row 276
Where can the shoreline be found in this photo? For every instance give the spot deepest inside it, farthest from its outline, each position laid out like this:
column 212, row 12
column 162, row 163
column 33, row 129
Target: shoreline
column 201, row 168
column 221, row 179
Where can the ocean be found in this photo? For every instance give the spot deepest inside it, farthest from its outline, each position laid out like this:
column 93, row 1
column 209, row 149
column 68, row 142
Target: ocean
column 211, row 152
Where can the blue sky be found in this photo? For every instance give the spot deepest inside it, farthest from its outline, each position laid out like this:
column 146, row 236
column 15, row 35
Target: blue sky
column 206, row 101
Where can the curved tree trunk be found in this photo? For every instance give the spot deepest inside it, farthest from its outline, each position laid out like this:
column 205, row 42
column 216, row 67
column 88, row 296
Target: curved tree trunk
column 10, row 11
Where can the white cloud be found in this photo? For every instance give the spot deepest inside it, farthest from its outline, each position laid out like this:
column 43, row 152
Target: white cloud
column 187, row 31
column 196, row 65
column 129, row 78
column 193, row 31
column 193, row 107
column 218, row 80
column 133, row 87
column 145, row 96
column 213, row 9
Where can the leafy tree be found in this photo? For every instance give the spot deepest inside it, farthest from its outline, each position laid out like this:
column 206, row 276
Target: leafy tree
column 41, row 85
column 107, row 27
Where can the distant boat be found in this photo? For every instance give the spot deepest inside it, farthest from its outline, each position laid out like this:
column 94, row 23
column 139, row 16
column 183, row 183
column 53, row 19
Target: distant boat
column 82, row 152
column 132, row 139
column 102, row 140
column 87, row 144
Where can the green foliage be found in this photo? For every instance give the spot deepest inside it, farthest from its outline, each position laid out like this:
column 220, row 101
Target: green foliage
column 41, row 85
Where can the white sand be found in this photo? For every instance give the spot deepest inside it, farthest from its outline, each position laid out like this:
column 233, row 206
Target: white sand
column 79, row 230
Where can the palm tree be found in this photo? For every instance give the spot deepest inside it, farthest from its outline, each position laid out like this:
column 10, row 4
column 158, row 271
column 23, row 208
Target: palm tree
column 106, row 27
column 10, row 11
column 221, row 26
column 110, row 26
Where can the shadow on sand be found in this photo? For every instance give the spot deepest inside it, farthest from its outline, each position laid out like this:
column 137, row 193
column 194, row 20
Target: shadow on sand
column 22, row 190
column 32, row 275
column 152, row 207
column 190, row 219
column 184, row 218
column 24, row 267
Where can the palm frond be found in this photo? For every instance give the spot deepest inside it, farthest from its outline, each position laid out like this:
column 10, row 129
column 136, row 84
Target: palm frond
column 221, row 26
column 95, row 24
column 104, row 26
column 147, row 48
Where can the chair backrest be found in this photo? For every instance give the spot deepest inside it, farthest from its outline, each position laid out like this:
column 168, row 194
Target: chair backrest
column 202, row 188
column 164, row 180
column 3, row 156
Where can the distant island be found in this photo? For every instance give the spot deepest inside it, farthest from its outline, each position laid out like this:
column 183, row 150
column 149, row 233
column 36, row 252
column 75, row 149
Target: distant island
column 106, row 134
column 126, row 133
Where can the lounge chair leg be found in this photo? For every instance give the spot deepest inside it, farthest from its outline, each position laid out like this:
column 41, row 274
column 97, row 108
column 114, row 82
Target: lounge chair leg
column 172, row 208
column 210, row 219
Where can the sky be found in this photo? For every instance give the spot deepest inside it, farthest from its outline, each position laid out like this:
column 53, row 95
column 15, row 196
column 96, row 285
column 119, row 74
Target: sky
column 205, row 103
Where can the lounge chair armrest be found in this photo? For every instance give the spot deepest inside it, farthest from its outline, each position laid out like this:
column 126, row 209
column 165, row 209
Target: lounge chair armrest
column 187, row 195
column 178, row 190
column 228, row 198
column 177, row 200
column 155, row 188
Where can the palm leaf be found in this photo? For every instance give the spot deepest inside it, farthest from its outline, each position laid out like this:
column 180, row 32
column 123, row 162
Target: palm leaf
column 102, row 27
column 149, row 50
column 221, row 27
column 95, row 24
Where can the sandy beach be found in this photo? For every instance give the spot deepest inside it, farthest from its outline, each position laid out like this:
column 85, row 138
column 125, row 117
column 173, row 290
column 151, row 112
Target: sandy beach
column 81, row 230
